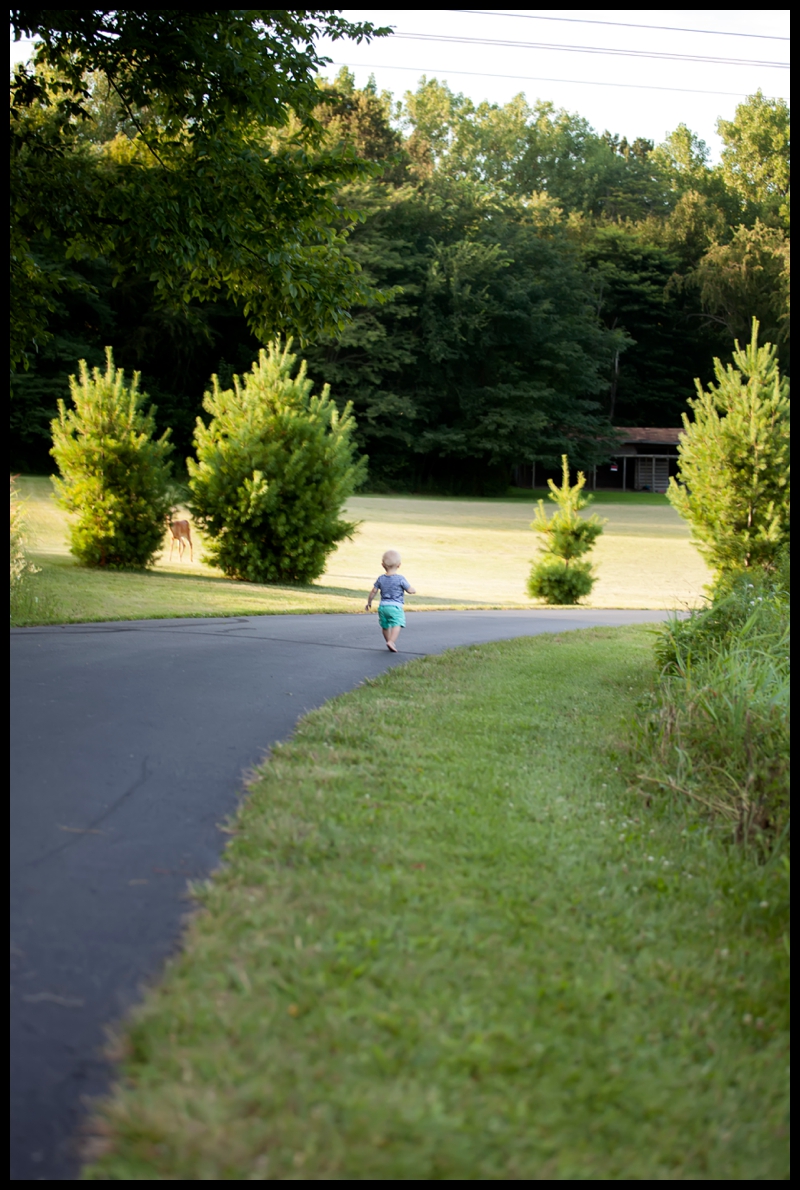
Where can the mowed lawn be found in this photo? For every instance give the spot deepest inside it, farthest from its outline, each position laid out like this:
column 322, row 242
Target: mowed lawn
column 458, row 553
column 480, row 551
column 449, row 940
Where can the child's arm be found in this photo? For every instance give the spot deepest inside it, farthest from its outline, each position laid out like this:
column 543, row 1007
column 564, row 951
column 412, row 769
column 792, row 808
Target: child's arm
column 370, row 598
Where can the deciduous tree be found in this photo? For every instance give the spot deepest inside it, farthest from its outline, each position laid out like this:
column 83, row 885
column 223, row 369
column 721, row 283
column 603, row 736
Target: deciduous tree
column 756, row 157
column 192, row 193
column 745, row 278
column 491, row 355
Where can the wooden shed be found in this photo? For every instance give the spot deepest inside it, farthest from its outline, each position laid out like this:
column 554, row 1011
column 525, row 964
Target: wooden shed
column 646, row 458
column 644, row 462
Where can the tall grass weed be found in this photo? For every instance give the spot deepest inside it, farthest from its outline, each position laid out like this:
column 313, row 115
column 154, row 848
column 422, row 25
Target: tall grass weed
column 716, row 735
column 22, row 599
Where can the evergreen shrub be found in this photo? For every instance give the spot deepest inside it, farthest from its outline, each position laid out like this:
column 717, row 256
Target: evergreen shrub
column 557, row 581
column 733, row 471
column 114, row 476
column 274, row 466
column 558, row 575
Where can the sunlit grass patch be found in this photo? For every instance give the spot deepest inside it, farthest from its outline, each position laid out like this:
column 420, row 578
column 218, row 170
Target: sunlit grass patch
column 67, row 593
column 458, row 553
column 482, row 551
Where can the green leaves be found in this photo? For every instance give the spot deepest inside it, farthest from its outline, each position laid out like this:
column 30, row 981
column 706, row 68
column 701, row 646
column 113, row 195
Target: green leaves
column 490, row 354
column 734, row 462
column 755, row 160
column 208, row 67
column 274, row 467
column 748, row 277
column 497, row 288
column 720, row 732
column 144, row 137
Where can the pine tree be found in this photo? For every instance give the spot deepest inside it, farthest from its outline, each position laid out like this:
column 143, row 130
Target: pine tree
column 113, row 474
column 558, row 576
column 734, row 462
column 274, row 467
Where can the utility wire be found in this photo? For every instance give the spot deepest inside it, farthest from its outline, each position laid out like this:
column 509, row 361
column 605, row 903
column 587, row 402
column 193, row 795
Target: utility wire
column 526, row 78
column 531, row 16
column 583, row 49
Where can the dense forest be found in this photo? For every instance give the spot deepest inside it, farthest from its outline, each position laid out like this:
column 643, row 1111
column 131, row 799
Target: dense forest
column 526, row 283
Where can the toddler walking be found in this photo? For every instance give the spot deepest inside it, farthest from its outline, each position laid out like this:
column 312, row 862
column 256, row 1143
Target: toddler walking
column 392, row 587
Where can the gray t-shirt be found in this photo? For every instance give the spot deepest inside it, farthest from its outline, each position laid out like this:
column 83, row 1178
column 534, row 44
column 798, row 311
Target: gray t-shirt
column 392, row 588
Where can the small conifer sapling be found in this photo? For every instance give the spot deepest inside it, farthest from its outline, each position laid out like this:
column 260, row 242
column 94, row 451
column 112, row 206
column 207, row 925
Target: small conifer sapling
column 559, row 575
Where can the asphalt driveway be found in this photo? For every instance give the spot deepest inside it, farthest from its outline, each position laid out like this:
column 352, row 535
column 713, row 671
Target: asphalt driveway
column 129, row 746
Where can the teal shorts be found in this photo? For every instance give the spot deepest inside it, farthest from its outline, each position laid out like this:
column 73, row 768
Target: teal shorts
column 391, row 616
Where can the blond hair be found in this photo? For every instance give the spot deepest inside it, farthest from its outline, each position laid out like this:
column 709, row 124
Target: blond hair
column 390, row 558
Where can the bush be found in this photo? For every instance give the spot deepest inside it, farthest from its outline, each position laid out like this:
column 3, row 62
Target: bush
column 113, row 475
column 274, row 467
column 557, row 576
column 557, row 581
column 719, row 734
column 734, row 462
column 21, row 567
column 745, row 606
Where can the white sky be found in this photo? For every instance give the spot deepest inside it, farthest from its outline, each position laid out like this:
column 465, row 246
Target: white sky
column 578, row 81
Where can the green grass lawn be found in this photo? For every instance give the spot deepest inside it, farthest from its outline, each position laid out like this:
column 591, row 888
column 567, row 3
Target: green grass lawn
column 601, row 496
column 460, row 553
column 481, row 550
column 448, row 940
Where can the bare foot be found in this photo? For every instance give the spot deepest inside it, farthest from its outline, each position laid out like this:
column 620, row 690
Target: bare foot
column 390, row 645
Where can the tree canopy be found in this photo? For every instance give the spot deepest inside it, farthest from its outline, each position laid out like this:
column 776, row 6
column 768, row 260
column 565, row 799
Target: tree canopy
column 187, row 186
column 201, row 69
column 488, row 284
column 755, row 160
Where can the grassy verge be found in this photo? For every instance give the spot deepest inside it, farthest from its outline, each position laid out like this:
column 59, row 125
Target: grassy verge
column 447, row 941
column 719, row 731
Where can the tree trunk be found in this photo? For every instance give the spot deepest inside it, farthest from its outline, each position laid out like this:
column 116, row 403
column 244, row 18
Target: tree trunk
column 612, row 396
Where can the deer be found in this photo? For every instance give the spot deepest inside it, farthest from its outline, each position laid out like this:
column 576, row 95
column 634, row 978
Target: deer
column 182, row 534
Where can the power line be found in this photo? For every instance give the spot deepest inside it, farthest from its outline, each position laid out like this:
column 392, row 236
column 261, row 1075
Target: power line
column 530, row 16
column 583, row 49
column 526, row 78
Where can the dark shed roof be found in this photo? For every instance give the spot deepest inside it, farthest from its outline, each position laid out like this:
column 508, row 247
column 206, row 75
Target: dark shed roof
column 658, row 436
